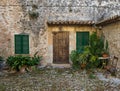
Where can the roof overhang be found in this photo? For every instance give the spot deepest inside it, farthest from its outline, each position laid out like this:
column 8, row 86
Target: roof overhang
column 71, row 22
column 86, row 22
column 109, row 20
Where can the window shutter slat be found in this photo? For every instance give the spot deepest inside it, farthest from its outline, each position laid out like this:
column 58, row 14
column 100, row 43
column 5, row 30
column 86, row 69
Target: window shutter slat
column 82, row 39
column 25, row 44
column 18, row 44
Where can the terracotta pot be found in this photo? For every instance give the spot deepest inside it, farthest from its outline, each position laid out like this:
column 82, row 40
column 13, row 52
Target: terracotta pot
column 23, row 69
column 29, row 69
column 83, row 66
column 105, row 55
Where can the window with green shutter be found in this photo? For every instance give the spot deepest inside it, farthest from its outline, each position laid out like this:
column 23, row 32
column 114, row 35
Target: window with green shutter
column 82, row 39
column 21, row 44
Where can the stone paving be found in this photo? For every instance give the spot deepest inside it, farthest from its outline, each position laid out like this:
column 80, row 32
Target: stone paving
column 55, row 80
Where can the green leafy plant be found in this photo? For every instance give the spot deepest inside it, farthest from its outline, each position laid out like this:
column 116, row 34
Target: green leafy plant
column 35, row 60
column 17, row 62
column 96, row 44
column 90, row 53
column 84, row 57
column 88, row 58
column 94, row 50
column 33, row 14
column 74, row 58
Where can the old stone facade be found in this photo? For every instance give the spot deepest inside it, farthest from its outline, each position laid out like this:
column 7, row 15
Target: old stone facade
column 112, row 34
column 78, row 15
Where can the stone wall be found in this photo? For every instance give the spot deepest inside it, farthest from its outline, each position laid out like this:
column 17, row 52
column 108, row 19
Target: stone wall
column 112, row 34
column 14, row 19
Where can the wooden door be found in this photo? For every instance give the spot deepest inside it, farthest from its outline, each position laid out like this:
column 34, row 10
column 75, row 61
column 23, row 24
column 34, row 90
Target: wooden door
column 61, row 47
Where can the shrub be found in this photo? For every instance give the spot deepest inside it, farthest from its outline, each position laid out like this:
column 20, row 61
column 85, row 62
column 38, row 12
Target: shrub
column 90, row 53
column 16, row 62
column 74, row 58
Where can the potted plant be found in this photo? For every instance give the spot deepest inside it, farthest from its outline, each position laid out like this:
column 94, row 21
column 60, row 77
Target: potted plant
column 105, row 52
column 83, row 60
column 84, row 57
column 34, row 61
column 22, row 63
column 18, row 63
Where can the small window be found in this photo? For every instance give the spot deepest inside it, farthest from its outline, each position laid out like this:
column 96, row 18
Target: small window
column 21, row 44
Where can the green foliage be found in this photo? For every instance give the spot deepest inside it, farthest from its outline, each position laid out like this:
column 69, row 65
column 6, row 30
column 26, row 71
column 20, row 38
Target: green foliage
column 89, row 58
column 94, row 50
column 36, row 59
column 74, row 58
column 16, row 62
column 84, row 56
column 96, row 44
column 90, row 53
column 33, row 14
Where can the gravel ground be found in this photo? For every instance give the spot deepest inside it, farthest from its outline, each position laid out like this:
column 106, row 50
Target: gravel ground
column 55, row 80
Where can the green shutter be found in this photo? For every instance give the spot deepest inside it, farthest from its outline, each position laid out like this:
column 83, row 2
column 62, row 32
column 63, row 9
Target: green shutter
column 25, row 47
column 21, row 44
column 79, row 42
column 82, row 39
column 18, row 44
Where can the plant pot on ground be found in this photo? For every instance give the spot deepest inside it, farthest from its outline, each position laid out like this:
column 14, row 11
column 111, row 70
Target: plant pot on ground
column 21, row 63
column 105, row 55
column 23, row 69
column 83, row 66
column 105, row 50
column 83, row 58
column 18, row 62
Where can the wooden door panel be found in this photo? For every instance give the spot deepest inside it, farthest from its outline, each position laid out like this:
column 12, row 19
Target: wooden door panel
column 61, row 47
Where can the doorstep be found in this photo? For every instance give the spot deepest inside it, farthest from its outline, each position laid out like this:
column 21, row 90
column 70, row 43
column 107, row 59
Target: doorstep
column 61, row 65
